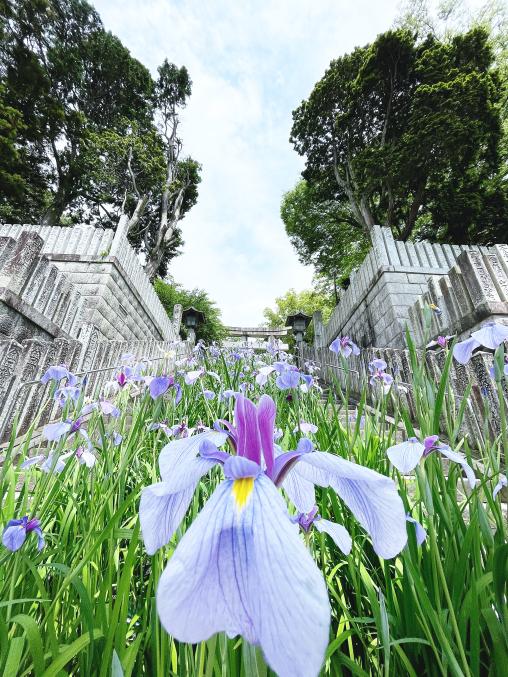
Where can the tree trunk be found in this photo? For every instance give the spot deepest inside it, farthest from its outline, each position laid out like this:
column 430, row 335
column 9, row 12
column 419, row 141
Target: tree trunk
column 413, row 211
column 54, row 212
column 153, row 262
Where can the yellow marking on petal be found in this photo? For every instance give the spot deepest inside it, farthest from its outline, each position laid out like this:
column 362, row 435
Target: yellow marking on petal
column 242, row 489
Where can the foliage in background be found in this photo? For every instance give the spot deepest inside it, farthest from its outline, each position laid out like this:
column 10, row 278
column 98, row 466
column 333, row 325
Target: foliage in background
column 170, row 293
column 323, row 233
column 404, row 132
column 306, row 301
column 84, row 128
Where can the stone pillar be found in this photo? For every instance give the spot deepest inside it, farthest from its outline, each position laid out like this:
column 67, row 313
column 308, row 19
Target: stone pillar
column 21, row 262
column 120, row 235
column 317, row 321
column 177, row 317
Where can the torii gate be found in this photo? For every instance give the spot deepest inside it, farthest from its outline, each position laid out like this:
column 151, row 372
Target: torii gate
column 295, row 323
column 257, row 332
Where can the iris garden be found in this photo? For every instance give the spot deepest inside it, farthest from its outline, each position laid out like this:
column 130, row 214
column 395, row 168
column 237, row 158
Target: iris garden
column 233, row 517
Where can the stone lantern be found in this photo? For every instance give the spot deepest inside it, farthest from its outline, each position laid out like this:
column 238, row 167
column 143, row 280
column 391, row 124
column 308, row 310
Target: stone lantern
column 192, row 318
column 298, row 322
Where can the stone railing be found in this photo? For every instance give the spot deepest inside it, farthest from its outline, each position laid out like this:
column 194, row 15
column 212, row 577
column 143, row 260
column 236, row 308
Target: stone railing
column 356, row 377
column 105, row 270
column 389, row 294
column 375, row 308
column 22, row 365
column 37, row 300
column 473, row 291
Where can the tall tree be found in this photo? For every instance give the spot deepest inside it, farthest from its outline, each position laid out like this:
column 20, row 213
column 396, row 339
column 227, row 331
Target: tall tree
column 91, row 136
column 158, row 223
column 69, row 78
column 393, row 126
column 306, row 301
column 323, row 233
column 12, row 183
column 179, row 192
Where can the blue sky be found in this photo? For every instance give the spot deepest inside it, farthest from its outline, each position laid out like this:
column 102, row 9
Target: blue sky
column 251, row 63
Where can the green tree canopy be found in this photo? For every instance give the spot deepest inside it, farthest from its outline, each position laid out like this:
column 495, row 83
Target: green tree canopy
column 324, row 233
column 88, row 134
column 407, row 133
column 171, row 293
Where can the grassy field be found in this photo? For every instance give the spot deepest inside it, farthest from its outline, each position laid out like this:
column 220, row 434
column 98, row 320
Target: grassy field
column 85, row 604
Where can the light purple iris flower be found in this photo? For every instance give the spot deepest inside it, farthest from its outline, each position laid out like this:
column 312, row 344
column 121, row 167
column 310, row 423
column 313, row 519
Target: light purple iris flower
column 492, row 370
column 104, row 406
column 161, row 384
column 192, row 376
column 214, row 350
column 491, row 336
column 161, row 426
column 208, row 394
column 308, row 382
column 227, row 394
column 85, row 457
column 337, row 532
column 67, row 394
column 345, row 346
column 16, row 531
column 54, row 431
column 290, row 378
column 58, row 373
column 311, row 367
column 377, row 370
column 463, row 350
column 306, row 428
column 371, row 497
column 56, row 463
column 240, row 567
column 420, row 532
column 181, row 430
column 50, row 463
column 263, row 374
column 406, row 455
column 502, row 482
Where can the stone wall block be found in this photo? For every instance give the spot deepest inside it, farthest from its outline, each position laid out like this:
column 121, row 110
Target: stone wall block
column 93, row 379
column 36, row 281
column 477, row 279
column 480, row 366
column 22, row 402
column 11, row 364
column 55, row 296
column 44, row 293
column 7, row 244
column 21, row 262
column 63, row 303
column 498, row 275
column 461, row 294
column 378, row 245
column 89, row 338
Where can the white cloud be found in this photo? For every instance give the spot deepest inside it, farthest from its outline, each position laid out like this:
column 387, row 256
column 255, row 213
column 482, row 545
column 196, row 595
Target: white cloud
column 251, row 63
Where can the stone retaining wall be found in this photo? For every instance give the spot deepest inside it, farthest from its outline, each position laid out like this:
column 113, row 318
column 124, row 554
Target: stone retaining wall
column 375, row 308
column 473, row 291
column 37, row 300
column 476, row 373
column 22, row 365
column 117, row 295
